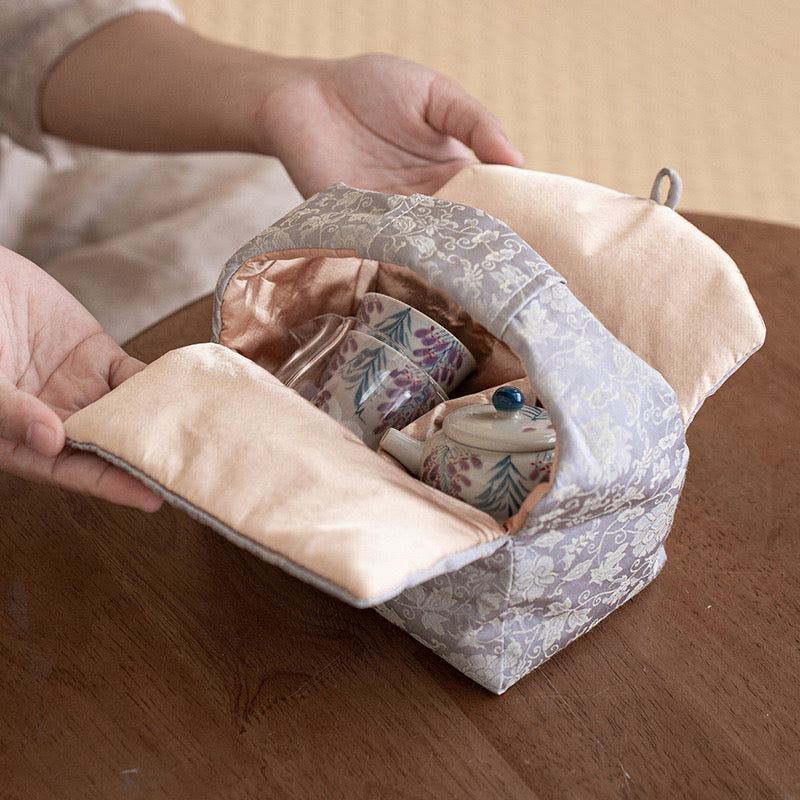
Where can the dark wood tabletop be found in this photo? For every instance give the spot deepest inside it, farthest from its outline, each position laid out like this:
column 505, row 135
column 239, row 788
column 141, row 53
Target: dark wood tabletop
column 143, row 656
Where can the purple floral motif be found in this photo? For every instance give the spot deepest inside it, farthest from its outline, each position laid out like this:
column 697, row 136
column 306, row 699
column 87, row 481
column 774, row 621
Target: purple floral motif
column 407, row 397
column 346, row 350
column 457, row 469
column 430, row 470
column 432, row 347
column 369, row 306
column 439, row 354
column 539, row 471
column 323, row 398
column 447, row 469
column 548, row 427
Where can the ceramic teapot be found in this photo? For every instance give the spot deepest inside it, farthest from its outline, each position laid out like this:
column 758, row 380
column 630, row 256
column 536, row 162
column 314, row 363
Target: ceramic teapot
column 489, row 455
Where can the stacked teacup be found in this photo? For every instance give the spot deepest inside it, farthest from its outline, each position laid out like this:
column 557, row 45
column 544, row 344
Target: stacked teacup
column 392, row 366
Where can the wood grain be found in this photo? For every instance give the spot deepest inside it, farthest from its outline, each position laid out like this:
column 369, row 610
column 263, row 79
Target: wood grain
column 144, row 656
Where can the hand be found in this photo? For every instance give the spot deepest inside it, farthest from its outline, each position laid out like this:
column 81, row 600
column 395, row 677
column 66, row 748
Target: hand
column 54, row 359
column 377, row 122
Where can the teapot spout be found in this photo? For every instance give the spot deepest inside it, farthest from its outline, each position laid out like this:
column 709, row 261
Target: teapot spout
column 405, row 449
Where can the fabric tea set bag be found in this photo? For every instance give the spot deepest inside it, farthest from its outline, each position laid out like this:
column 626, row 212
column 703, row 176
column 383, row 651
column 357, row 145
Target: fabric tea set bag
column 590, row 311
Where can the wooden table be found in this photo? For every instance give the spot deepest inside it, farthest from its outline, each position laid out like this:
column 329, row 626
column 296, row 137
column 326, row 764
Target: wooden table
column 145, row 656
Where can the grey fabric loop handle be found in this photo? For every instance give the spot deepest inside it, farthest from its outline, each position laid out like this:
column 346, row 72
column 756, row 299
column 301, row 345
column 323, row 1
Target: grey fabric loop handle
column 675, row 188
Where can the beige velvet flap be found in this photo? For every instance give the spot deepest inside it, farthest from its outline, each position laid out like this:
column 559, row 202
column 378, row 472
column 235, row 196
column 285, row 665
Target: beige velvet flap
column 264, row 467
column 657, row 283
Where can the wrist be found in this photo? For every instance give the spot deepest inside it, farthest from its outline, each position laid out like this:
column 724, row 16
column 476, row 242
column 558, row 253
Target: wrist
column 277, row 101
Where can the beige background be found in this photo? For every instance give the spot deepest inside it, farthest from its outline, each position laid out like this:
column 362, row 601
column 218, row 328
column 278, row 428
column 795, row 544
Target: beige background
column 604, row 90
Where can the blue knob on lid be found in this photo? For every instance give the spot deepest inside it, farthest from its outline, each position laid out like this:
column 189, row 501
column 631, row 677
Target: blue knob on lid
column 508, row 399
column 505, row 426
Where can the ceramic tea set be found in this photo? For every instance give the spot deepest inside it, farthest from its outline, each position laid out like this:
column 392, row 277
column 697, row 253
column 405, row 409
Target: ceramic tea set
column 388, row 365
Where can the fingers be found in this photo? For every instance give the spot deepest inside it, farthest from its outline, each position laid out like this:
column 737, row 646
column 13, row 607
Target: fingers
column 491, row 146
column 455, row 113
column 32, row 442
column 26, row 420
column 89, row 474
column 79, row 472
column 123, row 368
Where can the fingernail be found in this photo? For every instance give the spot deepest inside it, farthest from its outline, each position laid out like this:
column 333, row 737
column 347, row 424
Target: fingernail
column 42, row 439
column 152, row 503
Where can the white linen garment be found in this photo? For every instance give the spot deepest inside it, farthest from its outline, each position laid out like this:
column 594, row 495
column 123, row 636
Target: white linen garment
column 133, row 236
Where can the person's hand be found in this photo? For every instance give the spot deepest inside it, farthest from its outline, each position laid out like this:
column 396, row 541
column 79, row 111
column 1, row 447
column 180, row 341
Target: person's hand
column 55, row 359
column 377, row 122
column 144, row 82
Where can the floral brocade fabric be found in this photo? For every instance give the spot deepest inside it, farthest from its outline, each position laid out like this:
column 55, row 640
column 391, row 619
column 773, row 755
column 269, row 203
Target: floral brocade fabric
column 596, row 537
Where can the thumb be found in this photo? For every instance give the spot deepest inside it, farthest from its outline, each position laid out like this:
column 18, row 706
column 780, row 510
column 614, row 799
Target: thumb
column 455, row 113
column 123, row 367
column 26, row 420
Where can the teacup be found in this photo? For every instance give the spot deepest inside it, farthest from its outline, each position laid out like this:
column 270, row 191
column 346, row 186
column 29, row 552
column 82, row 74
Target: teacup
column 430, row 345
column 307, row 367
column 371, row 386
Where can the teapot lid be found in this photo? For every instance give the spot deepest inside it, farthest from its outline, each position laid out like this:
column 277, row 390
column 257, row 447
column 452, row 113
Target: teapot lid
column 507, row 425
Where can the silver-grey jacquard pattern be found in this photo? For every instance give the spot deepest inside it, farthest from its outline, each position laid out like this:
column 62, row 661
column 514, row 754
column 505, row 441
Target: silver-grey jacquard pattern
column 441, row 241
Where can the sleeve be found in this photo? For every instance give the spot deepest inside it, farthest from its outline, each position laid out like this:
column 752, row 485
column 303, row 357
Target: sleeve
column 34, row 35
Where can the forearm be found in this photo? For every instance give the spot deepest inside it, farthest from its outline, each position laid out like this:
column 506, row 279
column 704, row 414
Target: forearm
column 145, row 82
